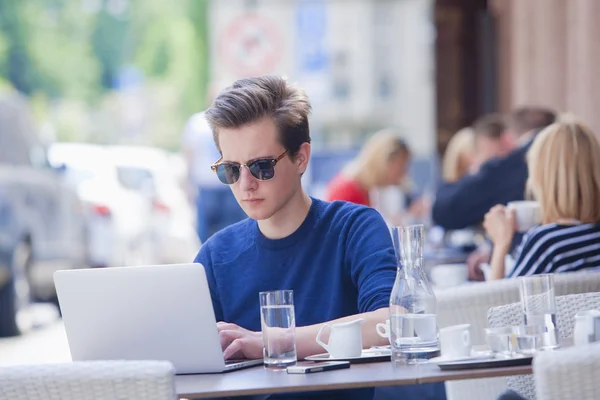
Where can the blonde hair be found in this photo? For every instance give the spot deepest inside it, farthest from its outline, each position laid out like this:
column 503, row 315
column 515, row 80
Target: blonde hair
column 456, row 158
column 564, row 172
column 369, row 167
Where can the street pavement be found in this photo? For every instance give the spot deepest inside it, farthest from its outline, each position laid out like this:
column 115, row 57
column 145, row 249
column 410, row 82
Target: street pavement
column 46, row 343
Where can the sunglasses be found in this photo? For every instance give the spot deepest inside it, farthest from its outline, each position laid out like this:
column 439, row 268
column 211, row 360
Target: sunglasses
column 261, row 169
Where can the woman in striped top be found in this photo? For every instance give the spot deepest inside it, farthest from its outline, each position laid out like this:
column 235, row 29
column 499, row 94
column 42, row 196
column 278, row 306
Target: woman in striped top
column 564, row 176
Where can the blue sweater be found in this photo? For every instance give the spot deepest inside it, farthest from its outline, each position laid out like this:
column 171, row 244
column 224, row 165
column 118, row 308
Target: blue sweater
column 339, row 262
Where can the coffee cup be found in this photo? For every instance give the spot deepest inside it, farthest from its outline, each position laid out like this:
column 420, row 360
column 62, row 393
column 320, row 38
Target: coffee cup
column 527, row 214
column 345, row 339
column 383, row 329
column 455, row 341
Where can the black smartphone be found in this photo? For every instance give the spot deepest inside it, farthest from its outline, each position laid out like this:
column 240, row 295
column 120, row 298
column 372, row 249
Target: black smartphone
column 309, row 367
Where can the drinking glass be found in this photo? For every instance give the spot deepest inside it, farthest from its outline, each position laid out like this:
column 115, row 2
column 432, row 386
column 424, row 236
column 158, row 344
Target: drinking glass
column 500, row 340
column 529, row 338
column 538, row 306
column 278, row 329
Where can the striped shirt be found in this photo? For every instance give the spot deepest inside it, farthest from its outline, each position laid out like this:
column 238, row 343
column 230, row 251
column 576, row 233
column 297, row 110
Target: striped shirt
column 554, row 248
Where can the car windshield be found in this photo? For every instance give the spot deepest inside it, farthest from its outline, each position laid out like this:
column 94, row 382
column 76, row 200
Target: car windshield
column 135, row 178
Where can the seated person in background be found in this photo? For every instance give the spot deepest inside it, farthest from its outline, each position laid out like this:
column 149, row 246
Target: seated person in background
column 382, row 162
column 500, row 180
column 564, row 176
column 492, row 140
column 464, row 203
column 399, row 206
column 338, row 257
column 459, row 157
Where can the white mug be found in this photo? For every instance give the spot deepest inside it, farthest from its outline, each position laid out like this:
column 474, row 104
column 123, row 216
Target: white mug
column 527, row 214
column 455, row 341
column 587, row 327
column 383, row 329
column 345, row 339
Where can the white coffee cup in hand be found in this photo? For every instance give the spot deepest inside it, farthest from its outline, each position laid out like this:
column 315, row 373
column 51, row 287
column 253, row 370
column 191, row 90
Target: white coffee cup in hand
column 455, row 341
column 527, row 214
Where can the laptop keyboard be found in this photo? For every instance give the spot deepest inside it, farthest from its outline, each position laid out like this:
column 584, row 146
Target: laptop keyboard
column 228, row 362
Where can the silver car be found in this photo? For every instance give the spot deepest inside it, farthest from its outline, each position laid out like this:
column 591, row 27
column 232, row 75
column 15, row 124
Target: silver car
column 41, row 221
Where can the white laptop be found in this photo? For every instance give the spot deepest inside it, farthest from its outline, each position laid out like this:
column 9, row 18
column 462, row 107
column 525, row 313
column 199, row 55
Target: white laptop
column 161, row 312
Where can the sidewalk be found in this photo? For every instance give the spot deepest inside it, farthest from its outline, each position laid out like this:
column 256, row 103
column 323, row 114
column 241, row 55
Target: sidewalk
column 46, row 345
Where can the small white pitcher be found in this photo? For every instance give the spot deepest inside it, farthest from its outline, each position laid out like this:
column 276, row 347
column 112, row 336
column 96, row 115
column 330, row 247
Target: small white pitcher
column 587, row 327
column 345, row 339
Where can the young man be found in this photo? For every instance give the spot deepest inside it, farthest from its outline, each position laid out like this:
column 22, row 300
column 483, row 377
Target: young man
column 337, row 257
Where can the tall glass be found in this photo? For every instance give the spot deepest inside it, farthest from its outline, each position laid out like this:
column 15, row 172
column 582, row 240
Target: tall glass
column 278, row 329
column 538, row 306
column 413, row 323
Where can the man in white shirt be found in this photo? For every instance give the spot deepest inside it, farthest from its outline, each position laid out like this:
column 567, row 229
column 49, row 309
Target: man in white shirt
column 216, row 206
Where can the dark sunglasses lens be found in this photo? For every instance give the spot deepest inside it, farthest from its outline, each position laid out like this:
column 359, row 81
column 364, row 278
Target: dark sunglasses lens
column 228, row 174
column 262, row 169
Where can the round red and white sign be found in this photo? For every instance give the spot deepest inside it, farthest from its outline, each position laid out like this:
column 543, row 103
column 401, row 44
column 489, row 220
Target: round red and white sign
column 251, row 45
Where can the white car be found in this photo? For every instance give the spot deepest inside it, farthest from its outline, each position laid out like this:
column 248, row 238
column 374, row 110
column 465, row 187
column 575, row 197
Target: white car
column 159, row 176
column 118, row 219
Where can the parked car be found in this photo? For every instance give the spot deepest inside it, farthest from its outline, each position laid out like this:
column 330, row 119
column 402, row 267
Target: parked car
column 41, row 221
column 118, row 219
column 157, row 175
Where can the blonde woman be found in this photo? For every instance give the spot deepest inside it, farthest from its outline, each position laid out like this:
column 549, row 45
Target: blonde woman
column 564, row 176
column 459, row 156
column 383, row 161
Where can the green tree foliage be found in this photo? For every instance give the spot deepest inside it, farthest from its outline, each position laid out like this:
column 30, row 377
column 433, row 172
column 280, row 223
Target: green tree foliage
column 109, row 41
column 16, row 63
column 59, row 43
column 67, row 56
column 171, row 45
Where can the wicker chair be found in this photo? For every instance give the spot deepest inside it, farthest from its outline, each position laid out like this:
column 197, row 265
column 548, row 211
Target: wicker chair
column 567, row 374
column 469, row 304
column 94, row 380
column 566, row 308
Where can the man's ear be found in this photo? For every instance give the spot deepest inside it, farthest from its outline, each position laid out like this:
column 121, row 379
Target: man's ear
column 302, row 157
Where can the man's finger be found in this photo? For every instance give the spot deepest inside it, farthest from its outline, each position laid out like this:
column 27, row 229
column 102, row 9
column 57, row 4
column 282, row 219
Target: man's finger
column 226, row 326
column 233, row 349
column 227, row 337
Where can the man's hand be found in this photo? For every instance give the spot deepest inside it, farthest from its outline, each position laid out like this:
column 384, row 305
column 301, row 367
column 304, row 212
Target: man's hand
column 238, row 342
column 476, row 258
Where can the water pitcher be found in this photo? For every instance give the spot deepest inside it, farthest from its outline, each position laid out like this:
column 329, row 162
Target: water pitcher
column 413, row 325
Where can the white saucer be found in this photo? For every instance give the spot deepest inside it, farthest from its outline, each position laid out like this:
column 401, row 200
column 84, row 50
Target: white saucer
column 367, row 354
column 387, row 348
column 416, row 342
column 475, row 355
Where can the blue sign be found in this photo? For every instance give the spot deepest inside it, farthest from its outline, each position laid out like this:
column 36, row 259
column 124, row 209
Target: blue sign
column 311, row 29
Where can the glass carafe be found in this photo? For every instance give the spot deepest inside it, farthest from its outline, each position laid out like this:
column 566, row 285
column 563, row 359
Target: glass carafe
column 413, row 323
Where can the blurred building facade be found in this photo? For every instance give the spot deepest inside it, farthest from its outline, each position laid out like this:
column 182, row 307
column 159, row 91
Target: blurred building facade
column 494, row 55
column 465, row 63
column 549, row 54
column 366, row 64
